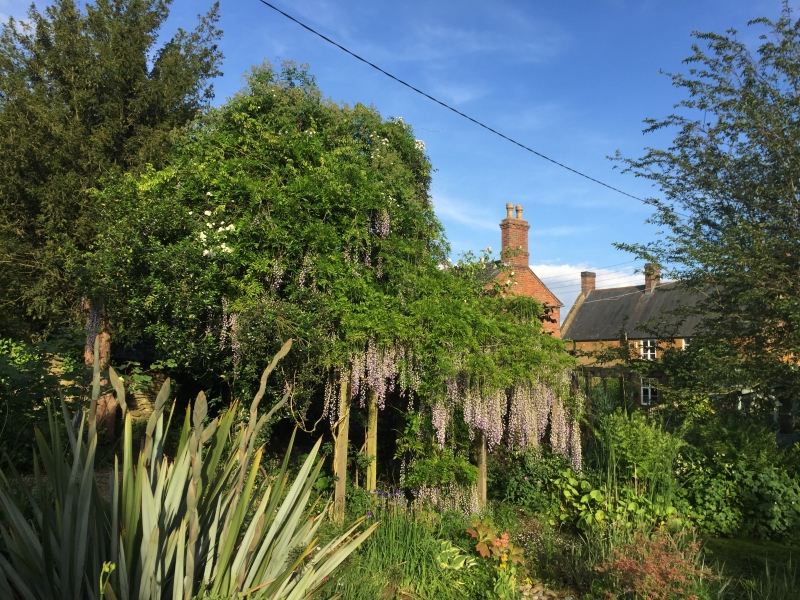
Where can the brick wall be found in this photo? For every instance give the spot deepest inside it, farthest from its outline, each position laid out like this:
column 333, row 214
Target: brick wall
column 597, row 345
column 514, row 251
column 528, row 284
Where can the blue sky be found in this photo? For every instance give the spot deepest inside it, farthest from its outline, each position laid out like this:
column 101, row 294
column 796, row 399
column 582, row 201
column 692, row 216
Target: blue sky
column 573, row 80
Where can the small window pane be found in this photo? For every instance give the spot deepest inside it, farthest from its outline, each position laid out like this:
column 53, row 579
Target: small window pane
column 648, row 349
column 649, row 391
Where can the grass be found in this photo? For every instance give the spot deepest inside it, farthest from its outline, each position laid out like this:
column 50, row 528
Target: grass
column 400, row 558
column 755, row 569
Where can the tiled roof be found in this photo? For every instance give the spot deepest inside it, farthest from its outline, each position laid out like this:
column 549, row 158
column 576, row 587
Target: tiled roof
column 602, row 314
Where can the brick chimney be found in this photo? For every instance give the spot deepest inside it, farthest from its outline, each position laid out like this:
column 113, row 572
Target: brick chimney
column 587, row 282
column 652, row 276
column 514, row 237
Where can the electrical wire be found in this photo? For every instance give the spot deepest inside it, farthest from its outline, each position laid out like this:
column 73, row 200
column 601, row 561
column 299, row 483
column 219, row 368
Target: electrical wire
column 576, row 286
column 621, row 295
column 447, row 106
column 604, row 277
column 590, row 269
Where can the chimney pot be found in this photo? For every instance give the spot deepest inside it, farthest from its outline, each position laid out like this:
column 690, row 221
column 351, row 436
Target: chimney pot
column 652, row 276
column 519, row 211
column 509, row 211
column 587, row 282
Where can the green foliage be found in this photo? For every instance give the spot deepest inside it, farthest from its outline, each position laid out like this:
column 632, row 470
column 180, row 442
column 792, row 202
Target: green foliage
column 432, row 465
column 729, row 208
column 407, row 557
column 200, row 523
column 31, row 376
column 529, row 476
column 280, row 214
column 735, row 480
column 635, row 449
column 85, row 92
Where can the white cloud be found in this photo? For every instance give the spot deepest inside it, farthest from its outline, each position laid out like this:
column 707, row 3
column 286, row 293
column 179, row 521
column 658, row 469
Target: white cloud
column 448, row 209
column 565, row 280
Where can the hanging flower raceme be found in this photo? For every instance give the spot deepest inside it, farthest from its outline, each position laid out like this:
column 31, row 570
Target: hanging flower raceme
column 381, row 370
column 532, row 408
column 486, row 412
column 229, row 335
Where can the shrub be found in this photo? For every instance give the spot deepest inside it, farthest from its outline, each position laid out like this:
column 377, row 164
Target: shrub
column 198, row 524
column 660, row 566
column 529, row 476
column 505, row 557
column 735, row 480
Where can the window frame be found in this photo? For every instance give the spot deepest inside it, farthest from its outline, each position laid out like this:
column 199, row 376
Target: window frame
column 651, row 385
column 648, row 349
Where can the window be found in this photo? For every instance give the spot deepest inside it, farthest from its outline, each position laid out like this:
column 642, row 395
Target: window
column 647, row 349
column 649, row 391
column 684, row 343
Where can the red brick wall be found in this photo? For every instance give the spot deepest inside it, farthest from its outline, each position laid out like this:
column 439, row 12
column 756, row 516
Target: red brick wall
column 525, row 283
column 514, row 251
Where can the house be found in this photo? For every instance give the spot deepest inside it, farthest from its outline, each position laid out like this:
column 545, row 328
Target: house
column 521, row 278
column 603, row 319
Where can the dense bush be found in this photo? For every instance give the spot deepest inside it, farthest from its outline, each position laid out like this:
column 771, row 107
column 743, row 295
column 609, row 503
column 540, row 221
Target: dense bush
column 736, row 480
column 659, row 566
column 30, row 376
column 529, row 479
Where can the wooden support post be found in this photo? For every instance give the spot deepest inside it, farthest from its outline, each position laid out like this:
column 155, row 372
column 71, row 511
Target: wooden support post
column 372, row 440
column 341, row 440
column 480, row 450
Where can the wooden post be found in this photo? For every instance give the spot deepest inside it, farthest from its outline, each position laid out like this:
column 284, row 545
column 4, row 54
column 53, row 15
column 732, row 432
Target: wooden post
column 480, row 450
column 341, row 440
column 372, row 440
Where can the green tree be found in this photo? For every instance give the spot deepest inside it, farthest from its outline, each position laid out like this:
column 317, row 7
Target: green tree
column 279, row 215
column 85, row 92
column 284, row 215
column 730, row 209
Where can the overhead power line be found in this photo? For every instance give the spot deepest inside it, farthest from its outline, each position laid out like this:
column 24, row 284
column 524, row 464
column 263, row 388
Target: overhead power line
column 445, row 105
column 570, row 274
column 599, row 280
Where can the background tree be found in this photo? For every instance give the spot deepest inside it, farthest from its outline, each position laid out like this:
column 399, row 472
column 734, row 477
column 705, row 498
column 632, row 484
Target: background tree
column 731, row 210
column 84, row 93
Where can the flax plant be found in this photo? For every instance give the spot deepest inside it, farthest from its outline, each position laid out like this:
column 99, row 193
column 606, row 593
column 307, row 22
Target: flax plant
column 194, row 525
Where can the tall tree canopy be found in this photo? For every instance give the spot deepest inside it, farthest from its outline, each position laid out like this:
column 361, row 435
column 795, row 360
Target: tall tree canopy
column 731, row 208
column 281, row 214
column 84, row 93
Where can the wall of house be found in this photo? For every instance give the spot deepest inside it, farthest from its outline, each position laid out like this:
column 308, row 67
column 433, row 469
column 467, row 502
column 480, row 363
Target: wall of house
column 600, row 345
column 525, row 283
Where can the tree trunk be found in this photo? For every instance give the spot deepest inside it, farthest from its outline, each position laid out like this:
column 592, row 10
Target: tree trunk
column 340, row 448
column 96, row 329
column 480, row 450
column 372, row 440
